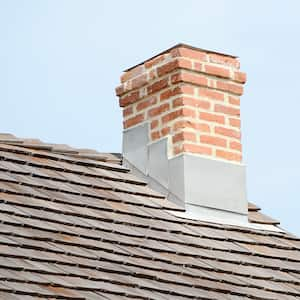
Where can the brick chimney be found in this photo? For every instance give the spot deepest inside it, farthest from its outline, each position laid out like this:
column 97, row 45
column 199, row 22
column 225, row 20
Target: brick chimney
column 181, row 113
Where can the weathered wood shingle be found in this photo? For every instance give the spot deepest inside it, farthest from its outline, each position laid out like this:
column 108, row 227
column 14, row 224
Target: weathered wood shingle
column 74, row 227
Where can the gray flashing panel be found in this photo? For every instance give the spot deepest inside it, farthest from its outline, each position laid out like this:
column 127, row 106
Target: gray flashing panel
column 135, row 146
column 214, row 215
column 158, row 162
column 176, row 178
column 215, row 184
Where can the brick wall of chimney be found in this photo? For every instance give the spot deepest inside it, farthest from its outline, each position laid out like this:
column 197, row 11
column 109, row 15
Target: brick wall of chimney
column 190, row 95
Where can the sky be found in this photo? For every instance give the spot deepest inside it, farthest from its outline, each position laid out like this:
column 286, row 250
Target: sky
column 60, row 61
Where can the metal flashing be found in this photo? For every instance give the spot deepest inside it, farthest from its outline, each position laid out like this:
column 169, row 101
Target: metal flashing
column 199, row 216
column 204, row 187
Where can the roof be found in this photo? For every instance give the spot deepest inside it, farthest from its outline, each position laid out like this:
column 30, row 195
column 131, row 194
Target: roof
column 79, row 226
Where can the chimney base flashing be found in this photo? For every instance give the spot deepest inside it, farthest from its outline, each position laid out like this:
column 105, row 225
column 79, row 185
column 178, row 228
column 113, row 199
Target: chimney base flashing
column 196, row 212
column 205, row 187
column 214, row 184
column 214, row 215
column 224, row 220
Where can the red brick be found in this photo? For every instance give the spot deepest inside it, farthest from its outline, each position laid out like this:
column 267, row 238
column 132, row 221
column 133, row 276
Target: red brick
column 139, row 81
column 228, row 132
column 183, row 112
column 133, row 121
column 217, row 71
column 129, row 99
column 167, row 68
column 227, row 110
column 184, row 136
column 198, row 66
column 176, row 78
column 211, row 94
column 224, row 60
column 177, row 149
column 240, row 77
column 165, row 131
column 173, row 65
column 155, row 135
column 234, row 100
column 189, row 53
column 178, row 90
column 187, row 77
column 212, row 117
column 230, row 87
column 199, row 149
column 158, row 110
column 182, row 124
column 213, row 140
column 154, row 124
column 223, row 86
column 235, row 122
column 157, row 86
column 184, row 63
column 172, row 116
column 146, row 103
column 154, row 61
column 127, row 111
column 236, row 146
column 132, row 73
column 170, row 93
column 187, row 112
column 182, row 101
column 120, row 90
column 227, row 155
column 236, row 89
column 187, row 89
column 201, row 127
column 152, row 75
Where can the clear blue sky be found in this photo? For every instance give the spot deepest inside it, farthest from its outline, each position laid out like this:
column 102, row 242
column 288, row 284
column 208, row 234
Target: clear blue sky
column 60, row 61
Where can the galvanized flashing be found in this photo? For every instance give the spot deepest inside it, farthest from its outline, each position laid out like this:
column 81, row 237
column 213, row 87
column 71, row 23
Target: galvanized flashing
column 135, row 146
column 215, row 184
column 158, row 163
column 205, row 187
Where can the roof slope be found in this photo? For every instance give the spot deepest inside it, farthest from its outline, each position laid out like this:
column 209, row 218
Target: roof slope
column 75, row 226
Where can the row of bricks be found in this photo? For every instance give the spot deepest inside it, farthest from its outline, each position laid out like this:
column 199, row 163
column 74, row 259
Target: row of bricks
column 198, row 95
column 197, row 132
column 213, row 86
column 189, row 65
column 200, row 126
column 198, row 67
column 139, row 75
column 191, row 55
column 223, row 137
column 153, row 107
column 207, row 150
column 221, row 114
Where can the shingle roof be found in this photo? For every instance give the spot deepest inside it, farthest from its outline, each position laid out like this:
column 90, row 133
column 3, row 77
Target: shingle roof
column 75, row 224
